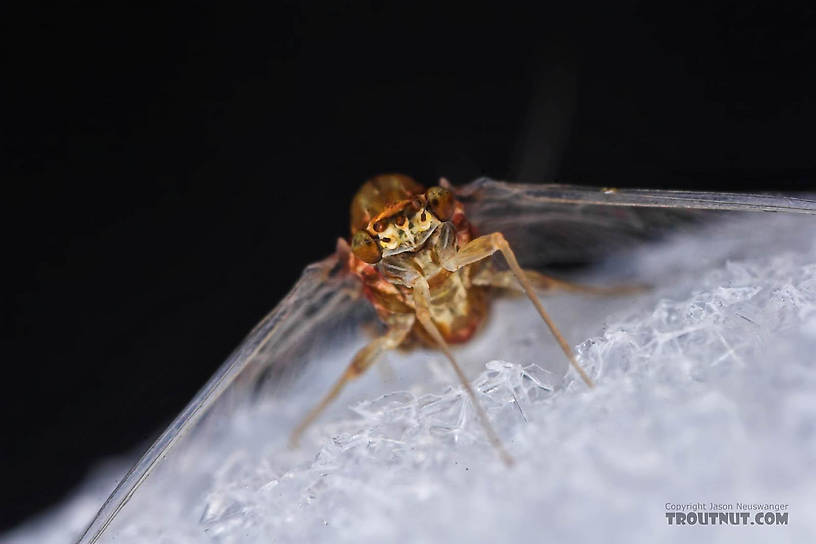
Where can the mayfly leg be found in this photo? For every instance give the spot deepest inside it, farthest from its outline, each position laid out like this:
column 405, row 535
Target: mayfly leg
column 422, row 299
column 506, row 279
column 399, row 327
column 485, row 246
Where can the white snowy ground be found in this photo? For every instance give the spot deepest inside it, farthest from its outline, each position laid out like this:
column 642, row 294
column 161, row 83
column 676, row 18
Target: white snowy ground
column 706, row 392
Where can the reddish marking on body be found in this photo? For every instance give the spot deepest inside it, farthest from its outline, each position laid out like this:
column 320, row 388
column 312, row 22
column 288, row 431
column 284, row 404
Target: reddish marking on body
column 383, row 295
column 464, row 230
column 390, row 210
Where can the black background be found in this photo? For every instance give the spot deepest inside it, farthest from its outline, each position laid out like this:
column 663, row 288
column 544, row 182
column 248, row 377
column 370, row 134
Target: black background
column 169, row 172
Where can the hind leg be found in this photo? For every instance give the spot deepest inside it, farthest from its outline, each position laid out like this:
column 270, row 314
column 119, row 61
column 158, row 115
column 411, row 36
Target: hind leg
column 398, row 328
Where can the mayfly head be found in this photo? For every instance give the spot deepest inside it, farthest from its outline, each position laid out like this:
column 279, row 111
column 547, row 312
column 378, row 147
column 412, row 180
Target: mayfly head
column 392, row 214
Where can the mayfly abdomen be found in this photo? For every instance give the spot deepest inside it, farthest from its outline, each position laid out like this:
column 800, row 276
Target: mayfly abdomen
column 457, row 309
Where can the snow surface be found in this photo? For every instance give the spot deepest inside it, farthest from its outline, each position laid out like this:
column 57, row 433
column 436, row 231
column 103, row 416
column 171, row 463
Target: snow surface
column 706, row 391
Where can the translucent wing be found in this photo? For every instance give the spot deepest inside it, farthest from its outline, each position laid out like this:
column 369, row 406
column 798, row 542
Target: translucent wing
column 496, row 192
column 323, row 303
column 552, row 225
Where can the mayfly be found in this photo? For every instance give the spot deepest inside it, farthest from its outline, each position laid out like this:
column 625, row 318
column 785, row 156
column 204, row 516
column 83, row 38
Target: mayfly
column 540, row 225
column 424, row 270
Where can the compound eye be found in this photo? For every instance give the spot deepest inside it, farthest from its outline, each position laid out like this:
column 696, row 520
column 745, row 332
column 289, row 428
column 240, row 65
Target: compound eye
column 365, row 248
column 441, row 202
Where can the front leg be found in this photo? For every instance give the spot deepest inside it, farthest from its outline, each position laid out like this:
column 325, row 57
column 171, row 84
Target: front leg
column 485, row 246
column 506, row 279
